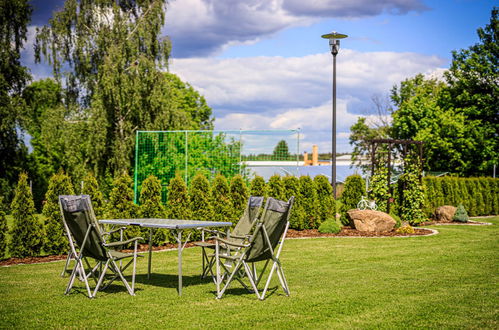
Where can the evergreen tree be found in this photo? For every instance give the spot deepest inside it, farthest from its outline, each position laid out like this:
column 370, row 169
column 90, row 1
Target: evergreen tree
column 308, row 200
column 275, row 187
column 355, row 188
column 121, row 205
column 327, row 204
column 27, row 231
column 281, row 151
column 221, row 201
column 239, row 196
column 297, row 217
column 470, row 189
column 461, row 215
column 200, row 199
column 151, row 207
column 439, row 194
column 178, row 203
column 91, row 188
column 3, row 229
column 258, row 186
column 56, row 241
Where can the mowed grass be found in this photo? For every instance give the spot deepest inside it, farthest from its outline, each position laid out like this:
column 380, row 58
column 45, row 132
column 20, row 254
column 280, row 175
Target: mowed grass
column 449, row 280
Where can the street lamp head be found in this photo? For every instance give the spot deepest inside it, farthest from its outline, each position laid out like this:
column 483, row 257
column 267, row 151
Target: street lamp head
column 334, row 41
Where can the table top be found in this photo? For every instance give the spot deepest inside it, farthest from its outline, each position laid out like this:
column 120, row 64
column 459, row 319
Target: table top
column 166, row 223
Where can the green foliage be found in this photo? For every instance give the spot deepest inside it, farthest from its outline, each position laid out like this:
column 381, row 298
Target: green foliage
column 461, row 215
column 151, row 207
column 297, row 217
column 14, row 18
column 411, row 192
column 121, row 205
column 258, row 186
column 354, row 189
column 26, row 232
column 91, row 188
column 178, row 203
column 405, row 229
column 221, row 201
column 378, row 188
column 239, row 196
column 56, row 241
column 327, row 204
column 200, row 199
column 308, row 201
column 330, row 226
column 281, row 152
column 3, row 229
column 275, row 187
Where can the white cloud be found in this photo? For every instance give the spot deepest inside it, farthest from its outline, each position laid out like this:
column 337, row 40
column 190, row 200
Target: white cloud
column 204, row 27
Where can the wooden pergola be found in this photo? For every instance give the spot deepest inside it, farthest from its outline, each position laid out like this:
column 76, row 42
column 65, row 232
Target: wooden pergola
column 392, row 143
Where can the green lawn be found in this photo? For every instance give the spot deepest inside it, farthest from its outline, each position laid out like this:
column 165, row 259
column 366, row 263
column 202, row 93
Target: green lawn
column 449, row 280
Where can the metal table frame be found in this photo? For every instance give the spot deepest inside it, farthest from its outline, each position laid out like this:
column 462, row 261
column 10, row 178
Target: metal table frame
column 172, row 224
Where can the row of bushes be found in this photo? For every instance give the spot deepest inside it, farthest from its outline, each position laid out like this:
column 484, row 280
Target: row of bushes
column 479, row 196
column 218, row 200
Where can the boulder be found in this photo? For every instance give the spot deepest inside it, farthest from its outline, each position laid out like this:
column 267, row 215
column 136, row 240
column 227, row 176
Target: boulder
column 445, row 213
column 370, row 220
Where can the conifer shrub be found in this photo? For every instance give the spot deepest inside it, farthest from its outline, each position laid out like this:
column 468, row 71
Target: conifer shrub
column 121, row 206
column 439, row 194
column 56, row 241
column 220, row 199
column 327, row 204
column 200, row 201
column 239, row 196
column 461, row 215
column 26, row 232
column 178, row 203
column 297, row 216
column 3, row 229
column 330, row 226
column 308, row 201
column 258, row 186
column 91, row 188
column 152, row 207
column 275, row 187
column 405, row 229
column 355, row 188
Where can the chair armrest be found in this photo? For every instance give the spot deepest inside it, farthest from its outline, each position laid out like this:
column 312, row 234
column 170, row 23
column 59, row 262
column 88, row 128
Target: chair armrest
column 113, row 231
column 123, row 242
column 213, row 231
column 230, row 243
column 240, row 236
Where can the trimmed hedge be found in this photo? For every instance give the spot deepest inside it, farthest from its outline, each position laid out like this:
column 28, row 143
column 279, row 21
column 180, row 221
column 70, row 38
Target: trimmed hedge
column 479, row 196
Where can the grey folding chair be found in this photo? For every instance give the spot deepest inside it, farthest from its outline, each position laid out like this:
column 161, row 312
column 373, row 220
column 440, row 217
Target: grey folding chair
column 86, row 241
column 240, row 232
column 265, row 244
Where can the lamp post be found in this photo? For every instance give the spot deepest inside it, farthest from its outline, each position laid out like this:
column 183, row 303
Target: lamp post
column 334, row 45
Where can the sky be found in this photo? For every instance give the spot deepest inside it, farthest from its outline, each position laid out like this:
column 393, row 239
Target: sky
column 262, row 64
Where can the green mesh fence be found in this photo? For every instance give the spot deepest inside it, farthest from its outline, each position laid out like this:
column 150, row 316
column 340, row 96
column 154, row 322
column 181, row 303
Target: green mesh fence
column 185, row 153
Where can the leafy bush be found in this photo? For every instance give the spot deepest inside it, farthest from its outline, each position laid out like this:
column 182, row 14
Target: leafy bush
column 27, row 232
column 152, row 207
column 121, row 205
column 56, row 241
column 395, row 217
column 275, row 187
column 3, row 229
column 292, row 187
column 412, row 194
column 379, row 190
column 405, row 229
column 330, row 226
column 309, row 203
column 461, row 215
column 220, row 196
column 91, row 188
column 355, row 188
column 239, row 197
column 258, row 186
column 327, row 204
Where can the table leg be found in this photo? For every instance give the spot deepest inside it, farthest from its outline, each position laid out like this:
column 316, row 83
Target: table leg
column 179, row 240
column 150, row 255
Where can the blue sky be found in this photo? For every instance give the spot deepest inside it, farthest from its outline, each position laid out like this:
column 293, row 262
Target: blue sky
column 261, row 64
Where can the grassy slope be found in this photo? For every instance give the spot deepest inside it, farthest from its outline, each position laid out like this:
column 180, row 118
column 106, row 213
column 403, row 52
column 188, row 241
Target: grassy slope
column 443, row 281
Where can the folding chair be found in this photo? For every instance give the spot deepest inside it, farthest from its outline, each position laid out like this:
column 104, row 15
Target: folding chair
column 86, row 241
column 262, row 245
column 240, row 232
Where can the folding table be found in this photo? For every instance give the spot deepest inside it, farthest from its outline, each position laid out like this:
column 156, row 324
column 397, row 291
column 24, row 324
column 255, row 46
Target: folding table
column 173, row 224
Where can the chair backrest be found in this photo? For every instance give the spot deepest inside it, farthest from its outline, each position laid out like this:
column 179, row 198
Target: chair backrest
column 274, row 218
column 78, row 218
column 245, row 224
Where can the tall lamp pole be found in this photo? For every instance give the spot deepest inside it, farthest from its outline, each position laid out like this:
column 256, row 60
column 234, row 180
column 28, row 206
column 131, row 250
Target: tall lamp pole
column 334, row 45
